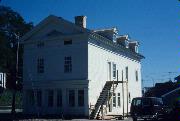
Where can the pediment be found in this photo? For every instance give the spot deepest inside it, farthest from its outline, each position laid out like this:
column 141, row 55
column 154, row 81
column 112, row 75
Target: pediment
column 53, row 26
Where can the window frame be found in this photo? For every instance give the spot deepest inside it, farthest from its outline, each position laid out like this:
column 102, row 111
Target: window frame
column 119, row 99
column 136, row 75
column 50, row 98
column 67, row 41
column 114, row 66
column 39, row 98
column 40, row 44
column 114, row 100
column 40, row 65
column 67, row 64
column 81, row 98
column 71, row 98
column 59, row 98
column 127, row 73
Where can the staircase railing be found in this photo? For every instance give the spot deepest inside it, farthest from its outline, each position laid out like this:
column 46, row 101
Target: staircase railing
column 103, row 98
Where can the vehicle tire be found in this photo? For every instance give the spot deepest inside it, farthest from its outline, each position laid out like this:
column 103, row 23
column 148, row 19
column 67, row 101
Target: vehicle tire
column 134, row 118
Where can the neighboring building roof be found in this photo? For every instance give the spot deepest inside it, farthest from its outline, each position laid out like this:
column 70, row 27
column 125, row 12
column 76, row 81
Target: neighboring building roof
column 173, row 91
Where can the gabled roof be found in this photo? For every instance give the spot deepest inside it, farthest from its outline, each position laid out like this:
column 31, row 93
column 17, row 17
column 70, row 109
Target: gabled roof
column 47, row 20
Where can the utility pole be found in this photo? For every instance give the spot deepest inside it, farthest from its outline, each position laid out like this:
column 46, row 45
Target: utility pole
column 13, row 111
column 123, row 93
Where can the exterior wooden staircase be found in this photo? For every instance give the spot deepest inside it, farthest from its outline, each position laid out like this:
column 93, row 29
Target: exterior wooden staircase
column 105, row 95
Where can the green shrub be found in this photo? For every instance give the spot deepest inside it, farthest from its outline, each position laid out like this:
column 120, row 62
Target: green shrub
column 6, row 98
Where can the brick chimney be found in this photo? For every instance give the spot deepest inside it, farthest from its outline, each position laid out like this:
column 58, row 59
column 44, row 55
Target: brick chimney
column 80, row 21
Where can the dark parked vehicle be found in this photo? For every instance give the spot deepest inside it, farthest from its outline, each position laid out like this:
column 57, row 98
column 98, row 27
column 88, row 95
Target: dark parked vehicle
column 147, row 108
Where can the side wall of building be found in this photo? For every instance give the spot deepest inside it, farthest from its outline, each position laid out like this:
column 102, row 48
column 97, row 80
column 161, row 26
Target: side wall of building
column 99, row 58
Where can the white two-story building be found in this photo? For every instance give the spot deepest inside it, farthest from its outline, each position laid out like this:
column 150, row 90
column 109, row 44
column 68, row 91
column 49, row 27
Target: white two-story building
column 71, row 70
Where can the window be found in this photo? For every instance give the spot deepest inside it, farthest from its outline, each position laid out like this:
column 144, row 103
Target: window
column 119, row 99
column 31, row 99
column 80, row 97
column 138, row 102
column 129, row 97
column 68, row 64
column 136, row 75
column 39, row 98
column 40, row 44
column 114, row 70
column 50, row 98
column 59, row 98
column 71, row 98
column 67, row 42
column 114, row 99
column 40, row 65
column 127, row 73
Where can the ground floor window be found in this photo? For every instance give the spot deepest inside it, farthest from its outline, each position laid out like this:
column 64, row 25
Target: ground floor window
column 39, row 98
column 119, row 99
column 50, row 98
column 30, row 98
column 80, row 98
column 59, row 98
column 71, row 98
column 114, row 99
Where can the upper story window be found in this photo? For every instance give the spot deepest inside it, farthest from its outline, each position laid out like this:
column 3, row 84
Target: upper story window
column 136, row 73
column 127, row 73
column 40, row 65
column 68, row 64
column 67, row 41
column 114, row 70
column 40, row 44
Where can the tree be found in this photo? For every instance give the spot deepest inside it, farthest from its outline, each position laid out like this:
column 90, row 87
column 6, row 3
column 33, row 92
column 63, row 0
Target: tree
column 12, row 27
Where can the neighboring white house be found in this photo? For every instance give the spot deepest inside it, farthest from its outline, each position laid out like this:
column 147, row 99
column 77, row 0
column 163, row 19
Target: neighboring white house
column 3, row 80
column 71, row 70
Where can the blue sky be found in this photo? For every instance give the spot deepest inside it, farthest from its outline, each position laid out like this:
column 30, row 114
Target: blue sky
column 154, row 23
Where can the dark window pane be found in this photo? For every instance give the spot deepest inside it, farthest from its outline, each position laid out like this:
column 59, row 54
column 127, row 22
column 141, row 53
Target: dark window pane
column 114, row 99
column 71, row 98
column 80, row 97
column 67, row 64
column 50, row 98
column 136, row 75
column 31, row 96
column 114, row 70
column 39, row 98
column 59, row 98
column 127, row 73
column 40, row 65
column 68, row 42
column 119, row 99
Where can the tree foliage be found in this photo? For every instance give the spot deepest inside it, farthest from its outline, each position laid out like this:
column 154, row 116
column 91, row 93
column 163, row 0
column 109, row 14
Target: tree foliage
column 12, row 27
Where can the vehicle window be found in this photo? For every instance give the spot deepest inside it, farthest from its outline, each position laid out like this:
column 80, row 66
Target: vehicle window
column 157, row 101
column 138, row 102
